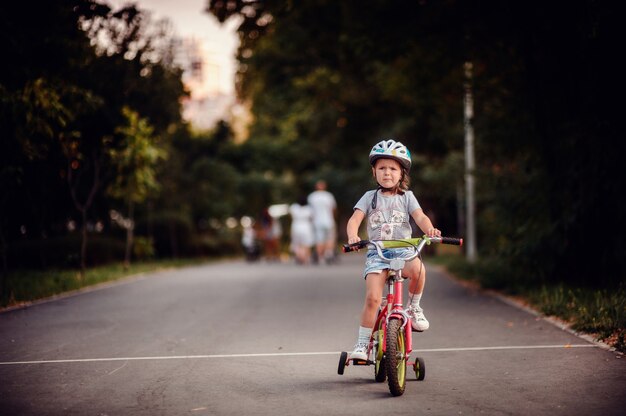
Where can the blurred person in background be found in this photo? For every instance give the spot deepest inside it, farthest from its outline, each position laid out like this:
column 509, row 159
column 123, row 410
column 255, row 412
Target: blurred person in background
column 271, row 232
column 249, row 239
column 324, row 206
column 302, row 232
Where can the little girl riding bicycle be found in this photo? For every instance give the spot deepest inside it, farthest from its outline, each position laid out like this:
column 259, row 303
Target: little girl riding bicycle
column 387, row 210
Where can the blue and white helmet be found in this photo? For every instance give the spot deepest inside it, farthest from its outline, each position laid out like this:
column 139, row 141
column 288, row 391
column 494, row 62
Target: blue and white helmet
column 391, row 149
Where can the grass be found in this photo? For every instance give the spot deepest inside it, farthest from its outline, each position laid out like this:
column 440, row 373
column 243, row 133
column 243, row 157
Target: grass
column 23, row 286
column 598, row 312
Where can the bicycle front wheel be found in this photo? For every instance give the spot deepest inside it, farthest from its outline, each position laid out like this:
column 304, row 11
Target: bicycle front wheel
column 395, row 359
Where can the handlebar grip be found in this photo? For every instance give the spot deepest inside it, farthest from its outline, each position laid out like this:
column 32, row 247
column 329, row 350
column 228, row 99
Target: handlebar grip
column 451, row 240
column 355, row 246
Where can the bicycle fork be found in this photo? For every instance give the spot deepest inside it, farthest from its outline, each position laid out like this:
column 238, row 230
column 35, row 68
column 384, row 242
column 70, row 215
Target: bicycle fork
column 395, row 310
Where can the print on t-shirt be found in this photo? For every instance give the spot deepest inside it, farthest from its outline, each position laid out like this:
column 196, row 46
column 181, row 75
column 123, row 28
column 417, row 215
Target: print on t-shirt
column 386, row 227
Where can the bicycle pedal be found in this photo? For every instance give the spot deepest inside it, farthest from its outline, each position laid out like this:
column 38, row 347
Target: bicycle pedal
column 361, row 362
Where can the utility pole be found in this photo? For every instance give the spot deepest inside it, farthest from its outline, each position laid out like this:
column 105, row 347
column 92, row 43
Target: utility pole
column 469, row 165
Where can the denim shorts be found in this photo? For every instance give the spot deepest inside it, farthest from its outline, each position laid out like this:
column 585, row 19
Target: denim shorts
column 374, row 264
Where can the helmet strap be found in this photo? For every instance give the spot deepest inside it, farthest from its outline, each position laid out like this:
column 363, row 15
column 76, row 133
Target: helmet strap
column 381, row 188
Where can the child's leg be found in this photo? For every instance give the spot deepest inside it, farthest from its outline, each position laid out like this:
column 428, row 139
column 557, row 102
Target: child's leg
column 374, row 285
column 416, row 271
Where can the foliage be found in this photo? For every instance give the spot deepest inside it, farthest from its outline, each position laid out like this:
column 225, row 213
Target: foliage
column 59, row 110
column 135, row 161
column 544, row 119
column 134, row 165
column 63, row 251
column 321, row 94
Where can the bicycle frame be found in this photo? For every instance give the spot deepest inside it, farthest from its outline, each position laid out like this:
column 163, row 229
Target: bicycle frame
column 394, row 302
column 392, row 320
column 393, row 307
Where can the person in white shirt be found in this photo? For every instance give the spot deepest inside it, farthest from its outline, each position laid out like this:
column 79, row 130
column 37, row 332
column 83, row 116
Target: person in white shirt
column 302, row 233
column 324, row 207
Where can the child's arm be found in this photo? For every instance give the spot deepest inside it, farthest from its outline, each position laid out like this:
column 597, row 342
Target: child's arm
column 424, row 223
column 353, row 226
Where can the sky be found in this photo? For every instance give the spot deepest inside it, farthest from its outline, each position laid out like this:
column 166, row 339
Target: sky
column 189, row 20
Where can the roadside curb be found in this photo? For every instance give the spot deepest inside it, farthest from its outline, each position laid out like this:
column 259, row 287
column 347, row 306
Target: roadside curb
column 518, row 304
column 82, row 290
column 92, row 288
column 552, row 320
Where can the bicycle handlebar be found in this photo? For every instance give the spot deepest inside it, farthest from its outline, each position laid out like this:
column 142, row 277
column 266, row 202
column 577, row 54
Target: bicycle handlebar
column 346, row 248
column 452, row 241
column 402, row 243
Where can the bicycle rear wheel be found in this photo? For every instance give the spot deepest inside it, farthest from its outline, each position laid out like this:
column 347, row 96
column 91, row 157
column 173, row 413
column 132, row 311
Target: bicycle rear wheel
column 395, row 359
column 379, row 366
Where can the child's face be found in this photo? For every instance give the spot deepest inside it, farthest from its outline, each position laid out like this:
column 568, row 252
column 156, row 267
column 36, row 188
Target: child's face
column 387, row 172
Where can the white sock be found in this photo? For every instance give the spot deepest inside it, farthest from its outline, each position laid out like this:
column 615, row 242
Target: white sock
column 364, row 335
column 414, row 298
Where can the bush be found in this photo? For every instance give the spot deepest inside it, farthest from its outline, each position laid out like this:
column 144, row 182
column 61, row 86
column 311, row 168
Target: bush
column 171, row 232
column 143, row 248
column 64, row 252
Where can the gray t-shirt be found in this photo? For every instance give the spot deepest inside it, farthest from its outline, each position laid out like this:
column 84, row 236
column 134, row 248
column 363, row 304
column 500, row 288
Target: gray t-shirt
column 390, row 219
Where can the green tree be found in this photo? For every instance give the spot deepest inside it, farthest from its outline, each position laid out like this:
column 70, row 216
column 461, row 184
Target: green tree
column 58, row 114
column 134, row 163
column 326, row 79
column 39, row 111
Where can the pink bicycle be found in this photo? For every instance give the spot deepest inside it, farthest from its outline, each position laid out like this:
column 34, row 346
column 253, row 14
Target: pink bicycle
column 391, row 342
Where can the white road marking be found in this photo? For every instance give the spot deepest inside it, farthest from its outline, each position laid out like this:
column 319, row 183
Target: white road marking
column 286, row 354
column 512, row 347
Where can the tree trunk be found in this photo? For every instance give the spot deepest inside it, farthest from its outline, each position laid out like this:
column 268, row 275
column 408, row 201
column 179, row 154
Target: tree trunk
column 83, row 207
column 130, row 233
column 83, row 246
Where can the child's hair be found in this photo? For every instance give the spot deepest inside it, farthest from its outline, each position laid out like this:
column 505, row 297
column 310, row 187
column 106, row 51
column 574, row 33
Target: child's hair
column 405, row 181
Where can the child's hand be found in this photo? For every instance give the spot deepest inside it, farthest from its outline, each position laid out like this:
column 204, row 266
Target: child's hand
column 433, row 232
column 355, row 239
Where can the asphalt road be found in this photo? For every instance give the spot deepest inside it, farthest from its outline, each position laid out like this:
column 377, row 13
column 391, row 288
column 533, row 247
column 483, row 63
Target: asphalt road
column 264, row 339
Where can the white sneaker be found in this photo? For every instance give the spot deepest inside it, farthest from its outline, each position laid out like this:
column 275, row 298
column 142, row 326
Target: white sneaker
column 359, row 352
column 418, row 320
